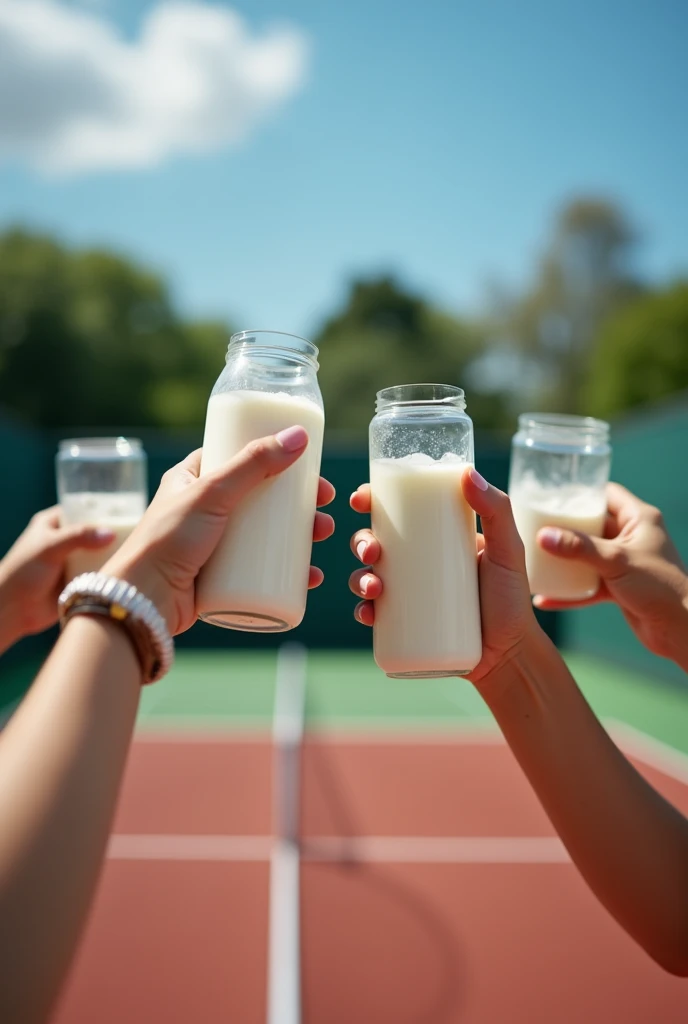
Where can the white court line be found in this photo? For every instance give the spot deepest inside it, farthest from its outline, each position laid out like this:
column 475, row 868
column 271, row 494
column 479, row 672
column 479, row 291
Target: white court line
column 328, row 849
column 202, row 738
column 476, row 736
column 650, row 751
column 284, row 963
column 438, row 849
column 189, row 847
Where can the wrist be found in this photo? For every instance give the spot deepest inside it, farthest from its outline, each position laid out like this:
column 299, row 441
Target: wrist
column 513, row 677
column 664, row 628
column 147, row 580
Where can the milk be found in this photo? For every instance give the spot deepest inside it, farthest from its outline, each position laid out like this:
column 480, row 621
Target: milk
column 116, row 511
column 427, row 620
column 257, row 577
column 571, row 507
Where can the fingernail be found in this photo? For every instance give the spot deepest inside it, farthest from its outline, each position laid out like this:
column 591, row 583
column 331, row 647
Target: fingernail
column 293, row 438
column 550, row 536
column 479, row 481
column 366, row 583
column 361, row 550
column 102, row 533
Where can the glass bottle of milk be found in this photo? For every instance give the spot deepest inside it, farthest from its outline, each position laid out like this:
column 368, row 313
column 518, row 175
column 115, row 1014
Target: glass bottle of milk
column 559, row 472
column 101, row 481
column 427, row 620
column 257, row 578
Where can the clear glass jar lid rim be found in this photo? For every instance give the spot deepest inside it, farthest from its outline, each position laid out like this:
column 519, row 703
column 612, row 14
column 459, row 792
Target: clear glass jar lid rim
column 420, row 394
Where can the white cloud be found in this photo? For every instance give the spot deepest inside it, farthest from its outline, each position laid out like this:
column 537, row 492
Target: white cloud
column 75, row 96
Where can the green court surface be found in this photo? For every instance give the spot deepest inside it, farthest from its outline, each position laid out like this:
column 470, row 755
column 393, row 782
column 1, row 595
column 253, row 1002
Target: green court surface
column 216, row 690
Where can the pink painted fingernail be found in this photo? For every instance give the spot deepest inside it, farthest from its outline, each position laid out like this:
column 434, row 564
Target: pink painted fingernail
column 366, row 583
column 479, row 481
column 102, row 533
column 293, row 438
column 550, row 536
column 361, row 550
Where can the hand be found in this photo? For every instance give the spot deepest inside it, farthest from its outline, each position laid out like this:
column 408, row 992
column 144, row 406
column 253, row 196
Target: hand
column 187, row 517
column 32, row 572
column 639, row 567
column 506, row 611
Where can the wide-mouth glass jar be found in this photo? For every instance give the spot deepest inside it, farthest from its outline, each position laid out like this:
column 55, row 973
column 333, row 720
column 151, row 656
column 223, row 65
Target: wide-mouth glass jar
column 427, row 621
column 256, row 580
column 101, row 482
column 559, row 473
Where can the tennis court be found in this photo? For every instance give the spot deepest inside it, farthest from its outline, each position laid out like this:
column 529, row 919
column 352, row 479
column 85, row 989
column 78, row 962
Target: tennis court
column 408, row 876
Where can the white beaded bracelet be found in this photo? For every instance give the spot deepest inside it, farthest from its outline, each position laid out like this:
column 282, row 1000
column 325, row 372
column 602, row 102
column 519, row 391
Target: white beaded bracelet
column 94, row 593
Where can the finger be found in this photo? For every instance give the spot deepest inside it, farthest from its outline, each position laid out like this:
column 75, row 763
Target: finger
column 326, row 492
column 192, row 462
column 66, row 539
column 364, row 583
column 223, row 488
column 603, row 555
column 364, row 612
column 182, row 475
column 323, row 526
column 50, row 516
column 315, row 577
column 479, row 543
column 622, row 501
column 612, row 526
column 548, row 604
column 502, row 543
column 360, row 500
column 366, row 547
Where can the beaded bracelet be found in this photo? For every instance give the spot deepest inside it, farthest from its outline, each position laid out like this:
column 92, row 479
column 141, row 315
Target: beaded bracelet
column 94, row 593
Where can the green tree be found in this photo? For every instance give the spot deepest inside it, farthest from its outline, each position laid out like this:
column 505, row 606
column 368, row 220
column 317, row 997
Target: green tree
column 584, row 276
column 641, row 353
column 386, row 335
column 88, row 338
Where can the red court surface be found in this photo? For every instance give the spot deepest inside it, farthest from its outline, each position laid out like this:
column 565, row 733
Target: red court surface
column 433, row 891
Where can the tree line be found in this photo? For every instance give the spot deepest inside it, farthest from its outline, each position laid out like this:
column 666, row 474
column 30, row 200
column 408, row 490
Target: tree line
column 91, row 339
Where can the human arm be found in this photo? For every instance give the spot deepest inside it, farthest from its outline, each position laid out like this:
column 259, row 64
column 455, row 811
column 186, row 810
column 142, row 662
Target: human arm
column 63, row 753
column 629, row 844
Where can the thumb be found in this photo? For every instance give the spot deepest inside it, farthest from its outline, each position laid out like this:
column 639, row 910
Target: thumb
column 576, row 546
column 503, row 544
column 70, row 538
column 223, row 488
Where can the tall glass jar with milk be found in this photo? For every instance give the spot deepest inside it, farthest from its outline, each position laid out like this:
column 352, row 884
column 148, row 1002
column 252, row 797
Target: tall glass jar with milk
column 101, row 481
column 427, row 620
column 257, row 578
column 559, row 472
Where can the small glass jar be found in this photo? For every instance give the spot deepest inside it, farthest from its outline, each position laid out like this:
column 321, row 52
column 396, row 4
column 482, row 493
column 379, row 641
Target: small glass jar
column 559, row 473
column 256, row 580
column 427, row 620
column 101, row 482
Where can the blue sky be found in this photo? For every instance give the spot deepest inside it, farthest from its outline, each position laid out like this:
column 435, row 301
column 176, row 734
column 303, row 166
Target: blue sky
column 432, row 139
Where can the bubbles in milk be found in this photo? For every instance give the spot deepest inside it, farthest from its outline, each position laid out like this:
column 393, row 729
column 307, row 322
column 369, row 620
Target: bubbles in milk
column 421, row 459
column 564, row 499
